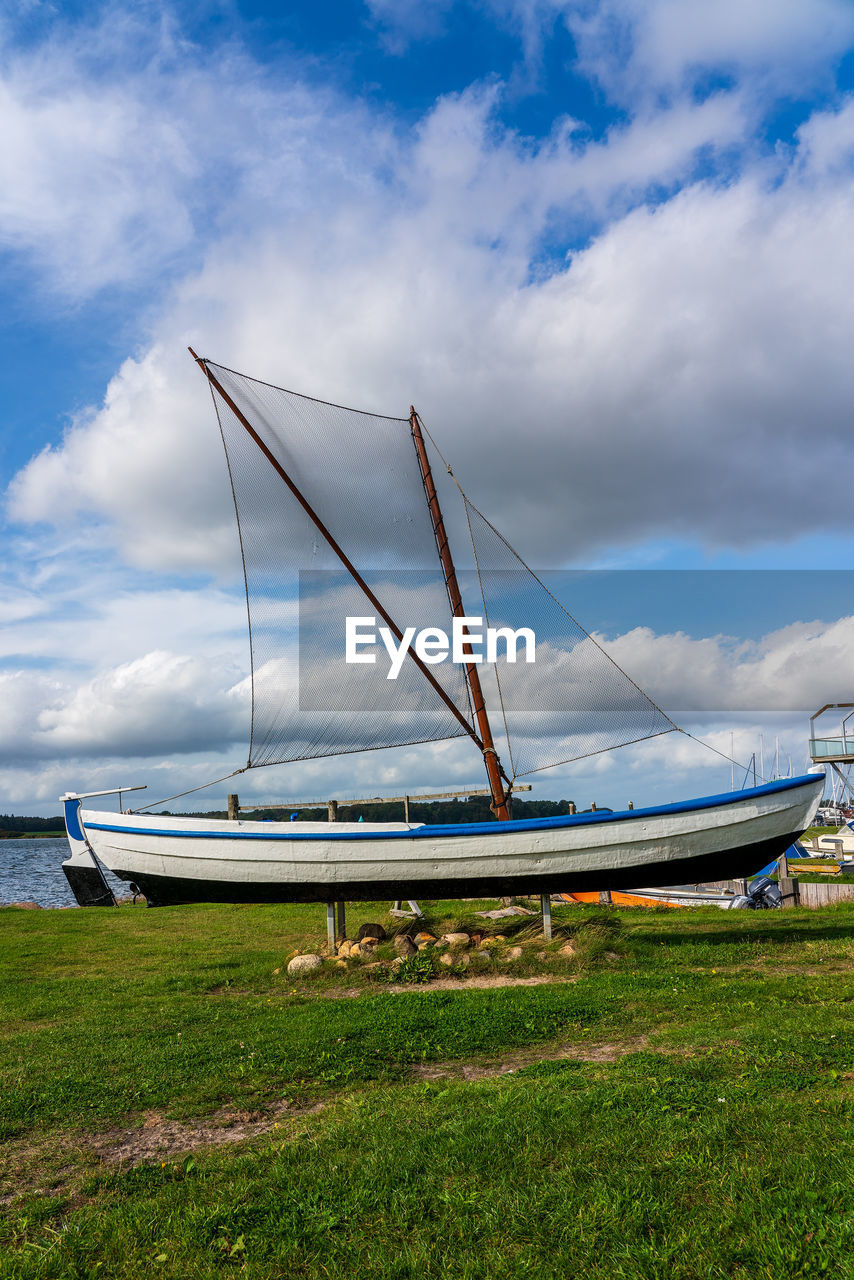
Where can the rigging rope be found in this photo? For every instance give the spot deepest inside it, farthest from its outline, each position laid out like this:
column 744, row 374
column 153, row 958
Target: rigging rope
column 722, row 754
column 190, row 790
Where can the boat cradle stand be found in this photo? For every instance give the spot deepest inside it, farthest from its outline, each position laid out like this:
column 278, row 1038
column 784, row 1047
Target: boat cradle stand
column 336, row 920
column 336, row 929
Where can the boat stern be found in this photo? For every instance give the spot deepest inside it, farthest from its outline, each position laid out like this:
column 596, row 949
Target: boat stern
column 84, row 875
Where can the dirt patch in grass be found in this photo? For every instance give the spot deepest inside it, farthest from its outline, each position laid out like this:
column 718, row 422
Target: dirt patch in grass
column 509, row 1063
column 52, row 1164
column 481, row 981
column 159, row 1138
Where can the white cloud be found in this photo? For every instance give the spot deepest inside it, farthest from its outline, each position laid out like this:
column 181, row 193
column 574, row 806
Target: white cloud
column 159, row 704
column 124, row 146
column 640, row 47
column 792, row 670
column 404, row 21
column 662, row 384
column 672, row 41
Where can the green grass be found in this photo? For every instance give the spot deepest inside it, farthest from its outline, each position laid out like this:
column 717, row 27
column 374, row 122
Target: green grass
column 682, row 1108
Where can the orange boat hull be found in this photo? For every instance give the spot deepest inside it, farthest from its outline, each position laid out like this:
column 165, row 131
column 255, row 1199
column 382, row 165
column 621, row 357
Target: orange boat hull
column 619, row 899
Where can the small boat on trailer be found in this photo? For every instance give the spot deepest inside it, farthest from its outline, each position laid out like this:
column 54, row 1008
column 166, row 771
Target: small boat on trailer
column 282, row 447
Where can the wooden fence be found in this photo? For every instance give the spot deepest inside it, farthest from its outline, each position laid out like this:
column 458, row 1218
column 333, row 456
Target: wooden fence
column 824, row 895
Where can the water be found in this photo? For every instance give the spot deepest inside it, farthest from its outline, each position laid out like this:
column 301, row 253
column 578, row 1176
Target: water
column 31, row 871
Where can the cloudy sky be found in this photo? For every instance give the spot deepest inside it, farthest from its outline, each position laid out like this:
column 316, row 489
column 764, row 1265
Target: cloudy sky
column 603, row 245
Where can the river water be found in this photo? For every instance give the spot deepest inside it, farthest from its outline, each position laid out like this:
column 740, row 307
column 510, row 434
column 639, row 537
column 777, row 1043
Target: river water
column 31, row 871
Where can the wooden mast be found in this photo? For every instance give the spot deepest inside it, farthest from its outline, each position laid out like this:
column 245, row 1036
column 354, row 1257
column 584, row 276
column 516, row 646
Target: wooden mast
column 348, row 565
column 490, row 755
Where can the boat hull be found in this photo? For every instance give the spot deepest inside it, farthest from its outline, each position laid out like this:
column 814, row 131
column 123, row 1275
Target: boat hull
column 177, row 860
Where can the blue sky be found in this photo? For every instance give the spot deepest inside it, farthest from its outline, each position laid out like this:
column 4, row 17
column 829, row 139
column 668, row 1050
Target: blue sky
column 604, row 245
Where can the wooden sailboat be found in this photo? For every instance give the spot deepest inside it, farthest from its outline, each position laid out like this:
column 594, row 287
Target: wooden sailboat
column 174, row 860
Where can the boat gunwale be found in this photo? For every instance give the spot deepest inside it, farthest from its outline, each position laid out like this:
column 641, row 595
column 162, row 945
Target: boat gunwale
column 433, row 830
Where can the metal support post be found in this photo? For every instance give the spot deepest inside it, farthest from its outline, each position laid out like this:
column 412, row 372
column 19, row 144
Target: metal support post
column 604, row 897
column 330, row 927
column 341, row 931
column 546, row 903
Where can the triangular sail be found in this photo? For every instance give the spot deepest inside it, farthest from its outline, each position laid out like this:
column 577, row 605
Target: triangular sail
column 361, row 473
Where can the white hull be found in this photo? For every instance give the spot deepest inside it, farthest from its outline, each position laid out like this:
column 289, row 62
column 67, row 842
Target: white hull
column 187, row 859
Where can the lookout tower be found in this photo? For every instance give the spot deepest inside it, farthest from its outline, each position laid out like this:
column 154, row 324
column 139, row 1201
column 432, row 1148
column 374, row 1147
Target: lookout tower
column 838, row 749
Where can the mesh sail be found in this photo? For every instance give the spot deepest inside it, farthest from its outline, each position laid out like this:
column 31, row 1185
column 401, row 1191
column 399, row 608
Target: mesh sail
column 573, row 701
column 360, row 474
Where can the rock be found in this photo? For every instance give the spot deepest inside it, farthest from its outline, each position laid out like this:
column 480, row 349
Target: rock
column 277, row 971
column 542, row 955
column 447, row 959
column 357, row 950
column 304, row 964
column 378, row 964
column 477, row 936
column 404, row 946
column 457, row 939
column 568, row 948
column 499, row 937
column 485, row 955
column 423, row 940
column 26, row 906
column 341, row 964
column 370, row 942
column 395, row 964
column 375, row 931
column 513, row 953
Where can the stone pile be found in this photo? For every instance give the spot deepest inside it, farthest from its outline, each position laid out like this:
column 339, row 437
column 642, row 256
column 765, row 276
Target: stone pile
column 455, row 949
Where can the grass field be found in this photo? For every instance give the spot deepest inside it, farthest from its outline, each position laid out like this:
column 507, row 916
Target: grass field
column 676, row 1100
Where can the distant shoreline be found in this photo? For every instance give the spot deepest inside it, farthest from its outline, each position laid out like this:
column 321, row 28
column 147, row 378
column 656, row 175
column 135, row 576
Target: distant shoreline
column 26, row 835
